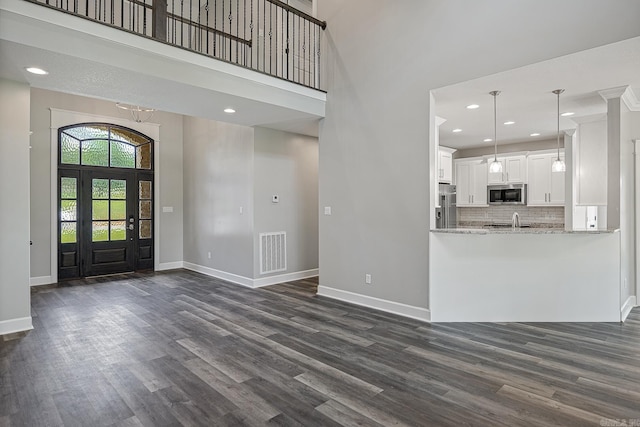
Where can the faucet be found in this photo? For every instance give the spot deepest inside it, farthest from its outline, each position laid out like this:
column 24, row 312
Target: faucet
column 515, row 220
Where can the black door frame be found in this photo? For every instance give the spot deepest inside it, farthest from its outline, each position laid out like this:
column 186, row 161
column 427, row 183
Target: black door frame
column 72, row 256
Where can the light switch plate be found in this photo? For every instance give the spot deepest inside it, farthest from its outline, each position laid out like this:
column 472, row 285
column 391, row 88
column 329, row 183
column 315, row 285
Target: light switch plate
column 327, row 210
column 275, row 198
column 167, row 209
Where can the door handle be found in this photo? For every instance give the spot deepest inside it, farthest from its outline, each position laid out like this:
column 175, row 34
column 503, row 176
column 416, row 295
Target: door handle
column 131, row 222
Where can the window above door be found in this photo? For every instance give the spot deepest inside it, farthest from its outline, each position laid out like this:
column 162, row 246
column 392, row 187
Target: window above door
column 98, row 144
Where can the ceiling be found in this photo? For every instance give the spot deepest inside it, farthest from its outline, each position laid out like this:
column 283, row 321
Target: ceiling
column 526, row 96
column 103, row 63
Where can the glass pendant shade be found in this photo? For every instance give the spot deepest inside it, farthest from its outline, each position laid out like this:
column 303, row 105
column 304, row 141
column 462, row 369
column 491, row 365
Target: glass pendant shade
column 495, row 166
column 558, row 166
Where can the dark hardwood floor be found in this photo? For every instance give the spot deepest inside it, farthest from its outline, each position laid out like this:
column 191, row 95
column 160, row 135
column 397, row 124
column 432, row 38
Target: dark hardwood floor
column 180, row 348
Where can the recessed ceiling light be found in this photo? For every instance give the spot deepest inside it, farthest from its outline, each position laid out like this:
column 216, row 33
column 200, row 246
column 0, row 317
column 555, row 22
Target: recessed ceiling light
column 38, row 71
column 487, row 140
column 509, row 123
column 229, row 110
column 472, row 106
column 534, row 134
column 567, row 114
column 456, row 130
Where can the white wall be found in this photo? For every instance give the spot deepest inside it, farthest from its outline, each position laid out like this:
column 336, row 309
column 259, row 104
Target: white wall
column 382, row 60
column 525, row 277
column 591, row 163
column 627, row 204
column 15, row 297
column 170, row 155
column 218, row 181
column 231, row 173
column 286, row 164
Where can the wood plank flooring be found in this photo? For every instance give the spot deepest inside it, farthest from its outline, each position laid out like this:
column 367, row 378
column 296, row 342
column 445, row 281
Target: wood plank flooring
column 180, row 348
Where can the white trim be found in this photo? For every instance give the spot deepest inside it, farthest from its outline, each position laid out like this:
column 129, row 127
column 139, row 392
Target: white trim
column 42, row 280
column 229, row 277
column 15, row 325
column 246, row 281
column 405, row 310
column 60, row 118
column 613, row 93
column 626, row 307
column 282, row 278
column 170, row 265
column 631, row 100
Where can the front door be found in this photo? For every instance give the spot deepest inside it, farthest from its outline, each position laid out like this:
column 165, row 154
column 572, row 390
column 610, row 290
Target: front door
column 105, row 210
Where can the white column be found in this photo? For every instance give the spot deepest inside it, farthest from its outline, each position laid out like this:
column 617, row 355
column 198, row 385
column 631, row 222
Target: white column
column 15, row 297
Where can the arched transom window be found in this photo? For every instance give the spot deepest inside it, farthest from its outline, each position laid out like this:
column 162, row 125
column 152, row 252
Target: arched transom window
column 113, row 146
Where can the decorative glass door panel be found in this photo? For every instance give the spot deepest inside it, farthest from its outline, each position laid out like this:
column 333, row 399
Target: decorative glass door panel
column 108, row 244
column 105, row 200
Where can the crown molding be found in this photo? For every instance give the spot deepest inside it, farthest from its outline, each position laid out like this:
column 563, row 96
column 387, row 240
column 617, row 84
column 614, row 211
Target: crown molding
column 614, row 92
column 631, row 100
column 625, row 93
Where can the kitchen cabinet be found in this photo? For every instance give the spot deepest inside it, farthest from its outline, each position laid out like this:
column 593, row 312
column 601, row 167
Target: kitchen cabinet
column 546, row 188
column 514, row 171
column 471, row 182
column 445, row 165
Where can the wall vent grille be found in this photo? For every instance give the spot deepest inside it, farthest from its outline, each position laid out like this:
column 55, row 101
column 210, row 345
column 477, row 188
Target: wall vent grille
column 273, row 252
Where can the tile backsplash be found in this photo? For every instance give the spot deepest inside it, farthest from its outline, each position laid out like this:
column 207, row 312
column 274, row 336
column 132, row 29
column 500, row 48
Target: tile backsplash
column 551, row 217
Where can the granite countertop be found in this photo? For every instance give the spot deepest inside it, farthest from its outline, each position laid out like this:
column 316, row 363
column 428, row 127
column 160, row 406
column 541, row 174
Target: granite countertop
column 523, row 230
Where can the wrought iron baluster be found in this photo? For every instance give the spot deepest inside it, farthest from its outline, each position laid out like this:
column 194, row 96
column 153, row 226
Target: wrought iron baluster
column 230, row 30
column 215, row 24
column 237, row 28
column 189, row 25
column 264, row 35
column 270, row 38
column 206, row 8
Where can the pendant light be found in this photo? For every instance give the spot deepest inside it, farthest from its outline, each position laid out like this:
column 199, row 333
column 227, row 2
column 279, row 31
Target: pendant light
column 558, row 165
column 495, row 166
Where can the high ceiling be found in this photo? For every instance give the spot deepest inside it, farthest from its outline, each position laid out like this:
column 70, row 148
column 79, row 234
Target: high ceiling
column 526, row 96
column 96, row 61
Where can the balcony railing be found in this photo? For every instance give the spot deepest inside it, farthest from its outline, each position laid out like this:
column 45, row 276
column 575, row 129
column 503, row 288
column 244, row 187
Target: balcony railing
column 267, row 36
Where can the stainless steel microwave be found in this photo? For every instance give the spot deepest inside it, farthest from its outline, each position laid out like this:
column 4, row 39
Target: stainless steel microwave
column 510, row 194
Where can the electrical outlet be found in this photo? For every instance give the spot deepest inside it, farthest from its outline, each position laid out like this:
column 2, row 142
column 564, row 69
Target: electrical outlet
column 209, row 255
column 367, row 279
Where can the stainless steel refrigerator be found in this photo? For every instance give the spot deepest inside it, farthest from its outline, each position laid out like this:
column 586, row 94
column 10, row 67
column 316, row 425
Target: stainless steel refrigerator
column 446, row 213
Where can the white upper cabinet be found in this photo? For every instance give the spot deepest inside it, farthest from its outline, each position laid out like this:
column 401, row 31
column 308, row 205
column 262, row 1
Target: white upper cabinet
column 471, row 182
column 514, row 171
column 445, row 165
column 546, row 188
column 591, row 162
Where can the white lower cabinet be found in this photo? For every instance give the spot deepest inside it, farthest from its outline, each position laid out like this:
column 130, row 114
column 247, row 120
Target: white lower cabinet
column 471, row 183
column 546, row 188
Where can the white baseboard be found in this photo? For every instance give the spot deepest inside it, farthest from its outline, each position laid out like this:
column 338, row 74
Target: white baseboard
column 41, row 280
column 229, row 277
column 626, row 307
column 287, row 277
column 170, row 265
column 405, row 310
column 15, row 325
column 248, row 282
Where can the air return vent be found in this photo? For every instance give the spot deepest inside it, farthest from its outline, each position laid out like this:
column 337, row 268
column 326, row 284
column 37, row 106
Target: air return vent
column 273, row 252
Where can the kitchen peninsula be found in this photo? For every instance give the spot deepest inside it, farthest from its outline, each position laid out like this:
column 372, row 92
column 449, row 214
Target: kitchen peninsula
column 524, row 275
